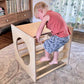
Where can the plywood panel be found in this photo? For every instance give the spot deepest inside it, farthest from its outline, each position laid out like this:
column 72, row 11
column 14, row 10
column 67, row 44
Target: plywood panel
column 31, row 29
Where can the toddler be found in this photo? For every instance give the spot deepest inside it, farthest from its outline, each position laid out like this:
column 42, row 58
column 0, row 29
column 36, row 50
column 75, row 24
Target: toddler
column 59, row 30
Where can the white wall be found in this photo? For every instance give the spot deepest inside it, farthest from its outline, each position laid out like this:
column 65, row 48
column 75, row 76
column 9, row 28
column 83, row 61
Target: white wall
column 33, row 4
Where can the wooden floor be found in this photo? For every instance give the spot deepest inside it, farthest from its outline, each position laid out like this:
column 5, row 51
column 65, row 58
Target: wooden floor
column 5, row 39
column 78, row 36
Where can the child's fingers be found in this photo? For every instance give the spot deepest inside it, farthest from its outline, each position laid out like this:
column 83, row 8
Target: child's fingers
column 40, row 42
column 37, row 40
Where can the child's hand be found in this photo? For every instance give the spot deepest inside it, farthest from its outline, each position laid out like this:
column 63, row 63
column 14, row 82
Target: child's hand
column 38, row 40
column 41, row 27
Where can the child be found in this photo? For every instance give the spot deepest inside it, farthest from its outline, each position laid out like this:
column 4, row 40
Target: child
column 58, row 27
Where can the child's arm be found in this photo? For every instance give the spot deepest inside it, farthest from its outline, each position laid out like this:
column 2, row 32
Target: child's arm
column 41, row 27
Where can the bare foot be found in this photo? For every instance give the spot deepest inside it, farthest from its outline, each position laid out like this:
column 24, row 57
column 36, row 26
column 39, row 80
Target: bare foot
column 53, row 62
column 44, row 59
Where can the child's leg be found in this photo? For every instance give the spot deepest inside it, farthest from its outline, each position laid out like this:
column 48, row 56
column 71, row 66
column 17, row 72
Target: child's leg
column 46, row 57
column 54, row 61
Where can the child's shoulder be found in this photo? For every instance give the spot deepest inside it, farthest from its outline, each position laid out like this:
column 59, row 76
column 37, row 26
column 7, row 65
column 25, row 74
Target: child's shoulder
column 46, row 17
column 52, row 12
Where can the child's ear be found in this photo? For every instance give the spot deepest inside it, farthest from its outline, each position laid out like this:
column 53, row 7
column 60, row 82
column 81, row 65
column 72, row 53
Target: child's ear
column 40, row 10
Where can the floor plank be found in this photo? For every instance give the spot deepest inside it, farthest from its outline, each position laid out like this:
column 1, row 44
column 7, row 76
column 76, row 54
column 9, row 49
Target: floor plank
column 5, row 39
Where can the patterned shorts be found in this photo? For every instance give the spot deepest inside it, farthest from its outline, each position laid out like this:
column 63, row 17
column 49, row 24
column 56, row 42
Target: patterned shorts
column 54, row 43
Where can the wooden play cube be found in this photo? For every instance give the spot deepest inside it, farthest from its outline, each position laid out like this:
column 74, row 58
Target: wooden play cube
column 28, row 51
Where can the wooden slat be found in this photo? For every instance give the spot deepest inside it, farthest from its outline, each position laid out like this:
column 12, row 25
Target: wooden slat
column 39, row 62
column 37, row 50
column 40, row 51
column 24, row 54
column 50, row 71
column 39, row 43
column 20, row 43
column 43, row 67
column 22, row 49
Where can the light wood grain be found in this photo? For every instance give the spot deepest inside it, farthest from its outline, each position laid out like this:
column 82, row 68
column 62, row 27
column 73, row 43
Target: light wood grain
column 31, row 29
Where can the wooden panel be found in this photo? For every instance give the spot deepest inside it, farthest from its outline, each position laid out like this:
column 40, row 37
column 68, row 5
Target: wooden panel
column 30, row 43
column 7, row 19
column 1, row 0
column 15, row 17
column 31, row 29
column 23, row 15
column 11, row 18
column 2, row 19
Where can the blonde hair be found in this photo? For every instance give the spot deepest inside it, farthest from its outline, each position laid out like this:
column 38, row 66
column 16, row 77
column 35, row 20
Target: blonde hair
column 39, row 5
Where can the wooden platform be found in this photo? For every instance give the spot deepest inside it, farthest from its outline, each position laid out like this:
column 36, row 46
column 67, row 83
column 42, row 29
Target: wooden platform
column 31, row 29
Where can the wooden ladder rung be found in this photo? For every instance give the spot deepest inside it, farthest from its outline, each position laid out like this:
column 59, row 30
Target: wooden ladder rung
column 39, row 43
column 38, row 77
column 39, row 62
column 20, row 43
column 42, row 68
column 40, row 51
column 37, row 52
column 22, row 49
column 24, row 54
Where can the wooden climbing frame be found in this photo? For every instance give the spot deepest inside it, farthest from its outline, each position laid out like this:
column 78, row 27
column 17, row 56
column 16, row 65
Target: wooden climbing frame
column 24, row 39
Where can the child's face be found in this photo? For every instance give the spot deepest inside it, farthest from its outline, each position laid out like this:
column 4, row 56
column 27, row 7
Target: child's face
column 41, row 13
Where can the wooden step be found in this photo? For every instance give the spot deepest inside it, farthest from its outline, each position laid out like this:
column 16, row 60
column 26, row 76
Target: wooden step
column 39, row 62
column 25, row 54
column 45, row 66
column 42, row 68
column 49, row 69
column 20, row 43
column 22, row 49
column 39, row 52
